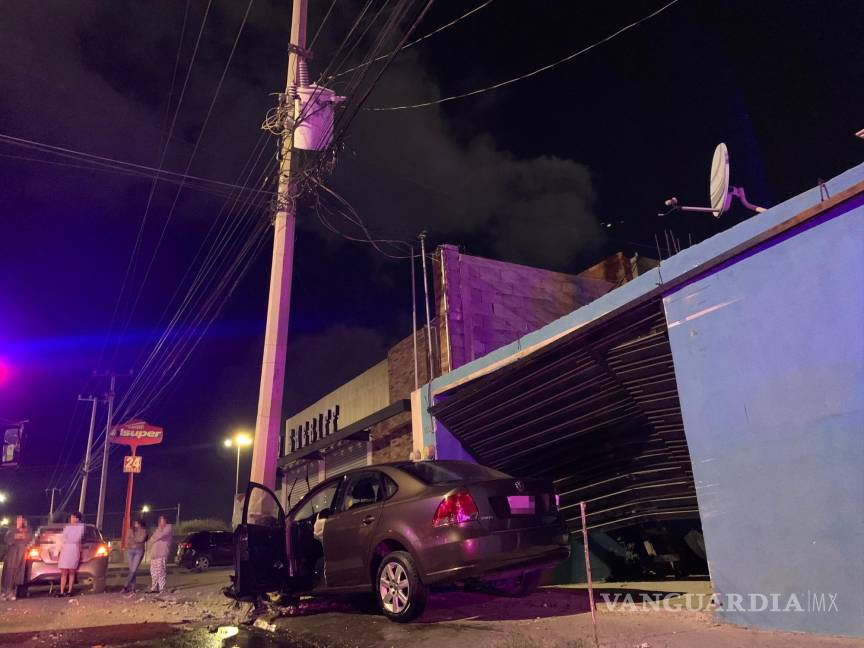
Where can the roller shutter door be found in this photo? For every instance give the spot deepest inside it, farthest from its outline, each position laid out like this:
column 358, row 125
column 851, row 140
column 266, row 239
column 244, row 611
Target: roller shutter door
column 300, row 488
column 351, row 455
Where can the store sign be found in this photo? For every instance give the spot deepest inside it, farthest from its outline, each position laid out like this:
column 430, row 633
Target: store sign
column 136, row 433
column 11, row 450
column 132, row 464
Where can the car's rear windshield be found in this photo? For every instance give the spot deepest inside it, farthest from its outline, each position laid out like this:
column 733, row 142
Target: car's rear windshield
column 49, row 534
column 52, row 534
column 444, row 472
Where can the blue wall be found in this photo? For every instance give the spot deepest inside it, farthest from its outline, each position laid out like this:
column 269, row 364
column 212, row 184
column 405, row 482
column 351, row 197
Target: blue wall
column 769, row 357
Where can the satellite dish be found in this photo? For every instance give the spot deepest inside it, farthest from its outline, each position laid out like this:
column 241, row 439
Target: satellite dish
column 718, row 185
column 719, row 194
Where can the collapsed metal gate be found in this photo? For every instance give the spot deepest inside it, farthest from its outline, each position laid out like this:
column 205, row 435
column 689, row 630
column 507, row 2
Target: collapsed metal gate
column 597, row 412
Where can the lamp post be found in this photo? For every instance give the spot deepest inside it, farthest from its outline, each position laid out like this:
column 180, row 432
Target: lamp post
column 239, row 440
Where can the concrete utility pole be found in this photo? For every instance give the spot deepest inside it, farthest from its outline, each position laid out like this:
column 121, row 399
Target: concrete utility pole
column 82, row 501
column 103, row 479
column 53, row 492
column 269, row 420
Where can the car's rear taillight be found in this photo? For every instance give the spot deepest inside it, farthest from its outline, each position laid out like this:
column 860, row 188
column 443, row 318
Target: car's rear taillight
column 454, row 509
column 33, row 554
column 185, row 545
column 101, row 550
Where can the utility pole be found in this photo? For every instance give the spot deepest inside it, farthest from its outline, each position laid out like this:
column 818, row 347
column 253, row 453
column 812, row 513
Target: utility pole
column 268, row 422
column 53, row 492
column 103, row 479
column 86, row 471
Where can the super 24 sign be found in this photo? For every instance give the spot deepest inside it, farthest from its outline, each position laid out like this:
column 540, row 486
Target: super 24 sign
column 136, row 433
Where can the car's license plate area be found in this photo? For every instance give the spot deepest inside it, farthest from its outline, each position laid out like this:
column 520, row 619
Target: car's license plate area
column 522, row 504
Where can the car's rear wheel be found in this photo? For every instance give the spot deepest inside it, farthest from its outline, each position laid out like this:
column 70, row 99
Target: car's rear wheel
column 522, row 585
column 202, row 563
column 400, row 593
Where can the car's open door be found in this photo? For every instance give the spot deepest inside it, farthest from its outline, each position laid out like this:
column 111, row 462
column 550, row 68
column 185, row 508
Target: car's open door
column 260, row 551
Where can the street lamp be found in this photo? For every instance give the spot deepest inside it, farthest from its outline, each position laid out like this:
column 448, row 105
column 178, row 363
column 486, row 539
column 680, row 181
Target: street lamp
column 145, row 508
column 4, row 522
column 3, row 498
column 239, row 440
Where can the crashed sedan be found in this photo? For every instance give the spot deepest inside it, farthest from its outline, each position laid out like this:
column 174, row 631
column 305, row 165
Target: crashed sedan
column 396, row 530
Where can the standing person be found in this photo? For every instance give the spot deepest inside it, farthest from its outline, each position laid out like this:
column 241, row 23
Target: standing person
column 14, row 564
column 160, row 546
column 135, row 551
column 70, row 553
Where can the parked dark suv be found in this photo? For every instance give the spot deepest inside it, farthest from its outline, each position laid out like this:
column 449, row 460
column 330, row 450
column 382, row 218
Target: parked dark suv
column 204, row 549
column 398, row 529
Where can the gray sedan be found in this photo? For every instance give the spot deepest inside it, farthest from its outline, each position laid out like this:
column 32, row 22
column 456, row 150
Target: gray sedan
column 396, row 530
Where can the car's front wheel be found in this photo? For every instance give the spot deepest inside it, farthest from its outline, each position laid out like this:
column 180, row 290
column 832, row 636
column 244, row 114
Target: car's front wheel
column 400, row 593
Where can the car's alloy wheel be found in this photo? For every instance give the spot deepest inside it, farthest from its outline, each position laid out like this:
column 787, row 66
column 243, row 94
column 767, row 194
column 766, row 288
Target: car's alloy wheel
column 202, row 563
column 395, row 588
column 401, row 594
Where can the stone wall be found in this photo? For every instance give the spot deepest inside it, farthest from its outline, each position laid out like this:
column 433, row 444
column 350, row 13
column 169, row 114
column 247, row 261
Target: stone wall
column 391, row 439
column 485, row 304
column 400, row 366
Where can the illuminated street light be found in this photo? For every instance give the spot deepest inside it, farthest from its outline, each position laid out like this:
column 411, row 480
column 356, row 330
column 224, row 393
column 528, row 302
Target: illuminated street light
column 4, row 522
column 3, row 498
column 145, row 508
column 239, row 440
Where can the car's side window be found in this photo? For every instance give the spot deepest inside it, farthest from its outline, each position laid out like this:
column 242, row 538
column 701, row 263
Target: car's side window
column 361, row 489
column 390, row 486
column 320, row 500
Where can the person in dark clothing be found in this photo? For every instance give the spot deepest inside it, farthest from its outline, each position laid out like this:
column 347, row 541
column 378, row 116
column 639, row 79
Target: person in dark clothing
column 14, row 563
column 135, row 542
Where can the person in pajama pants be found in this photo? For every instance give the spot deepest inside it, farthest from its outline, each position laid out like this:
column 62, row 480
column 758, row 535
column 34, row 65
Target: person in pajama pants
column 160, row 547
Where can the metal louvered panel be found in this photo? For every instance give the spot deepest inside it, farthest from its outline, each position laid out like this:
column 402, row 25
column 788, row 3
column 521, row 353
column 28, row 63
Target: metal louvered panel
column 597, row 412
column 350, row 455
column 294, row 483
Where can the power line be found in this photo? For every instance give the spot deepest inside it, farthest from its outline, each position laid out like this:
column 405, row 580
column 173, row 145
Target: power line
column 532, row 73
column 188, row 167
column 416, row 40
column 90, row 162
column 136, row 247
column 321, row 26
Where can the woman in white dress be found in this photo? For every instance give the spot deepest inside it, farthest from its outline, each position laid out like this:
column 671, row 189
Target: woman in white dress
column 70, row 553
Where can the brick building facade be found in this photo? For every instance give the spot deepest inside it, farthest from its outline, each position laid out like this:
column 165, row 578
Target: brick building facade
column 480, row 305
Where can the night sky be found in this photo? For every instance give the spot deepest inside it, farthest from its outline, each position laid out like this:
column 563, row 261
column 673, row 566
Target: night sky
column 529, row 173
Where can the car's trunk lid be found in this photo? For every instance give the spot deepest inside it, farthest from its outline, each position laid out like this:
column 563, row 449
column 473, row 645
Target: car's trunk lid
column 506, row 504
column 49, row 544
